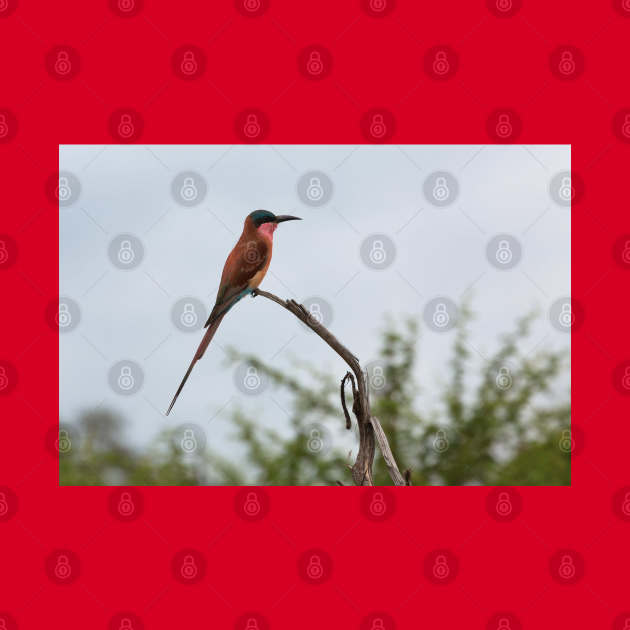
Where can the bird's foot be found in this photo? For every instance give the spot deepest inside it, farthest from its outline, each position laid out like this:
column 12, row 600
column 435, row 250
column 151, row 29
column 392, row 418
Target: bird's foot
column 254, row 293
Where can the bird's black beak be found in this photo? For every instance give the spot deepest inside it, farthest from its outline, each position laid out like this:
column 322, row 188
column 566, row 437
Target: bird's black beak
column 286, row 217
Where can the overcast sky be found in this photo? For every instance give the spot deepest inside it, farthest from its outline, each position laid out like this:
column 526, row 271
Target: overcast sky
column 423, row 242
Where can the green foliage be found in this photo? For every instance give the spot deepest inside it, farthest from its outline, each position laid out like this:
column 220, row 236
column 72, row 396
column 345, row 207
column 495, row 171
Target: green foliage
column 98, row 457
column 499, row 425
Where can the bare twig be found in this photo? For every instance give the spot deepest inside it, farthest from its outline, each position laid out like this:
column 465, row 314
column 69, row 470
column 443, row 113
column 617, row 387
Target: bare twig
column 343, row 398
column 387, row 454
column 370, row 430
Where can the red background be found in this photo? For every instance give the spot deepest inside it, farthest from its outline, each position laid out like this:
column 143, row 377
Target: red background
column 376, row 62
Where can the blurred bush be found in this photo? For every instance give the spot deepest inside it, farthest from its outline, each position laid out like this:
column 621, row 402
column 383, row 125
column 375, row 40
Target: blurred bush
column 504, row 425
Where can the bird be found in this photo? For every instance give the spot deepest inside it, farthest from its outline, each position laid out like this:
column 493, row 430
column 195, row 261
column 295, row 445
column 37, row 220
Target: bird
column 243, row 272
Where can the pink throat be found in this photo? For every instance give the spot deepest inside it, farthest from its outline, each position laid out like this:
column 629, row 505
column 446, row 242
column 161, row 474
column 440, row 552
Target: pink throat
column 267, row 229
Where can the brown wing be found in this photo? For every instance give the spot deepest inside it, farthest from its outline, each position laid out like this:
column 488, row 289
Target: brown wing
column 246, row 259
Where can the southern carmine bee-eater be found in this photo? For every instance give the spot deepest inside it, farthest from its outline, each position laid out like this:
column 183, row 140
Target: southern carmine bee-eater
column 243, row 271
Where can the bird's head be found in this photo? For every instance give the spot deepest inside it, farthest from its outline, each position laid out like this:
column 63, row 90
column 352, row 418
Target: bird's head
column 266, row 222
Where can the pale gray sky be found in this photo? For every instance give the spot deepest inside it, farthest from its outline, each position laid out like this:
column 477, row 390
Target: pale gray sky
column 440, row 241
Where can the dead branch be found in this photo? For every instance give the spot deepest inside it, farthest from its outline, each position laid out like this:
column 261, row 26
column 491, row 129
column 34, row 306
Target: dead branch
column 388, row 456
column 370, row 430
column 343, row 397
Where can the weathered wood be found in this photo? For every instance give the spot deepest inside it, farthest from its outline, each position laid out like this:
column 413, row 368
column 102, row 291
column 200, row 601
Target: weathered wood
column 370, row 430
column 388, row 456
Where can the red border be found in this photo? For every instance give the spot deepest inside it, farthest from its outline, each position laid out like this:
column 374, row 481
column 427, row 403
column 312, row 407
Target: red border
column 502, row 63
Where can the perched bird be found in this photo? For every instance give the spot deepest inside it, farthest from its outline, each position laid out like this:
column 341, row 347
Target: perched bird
column 243, row 271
